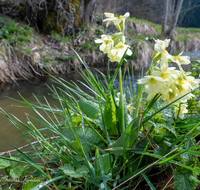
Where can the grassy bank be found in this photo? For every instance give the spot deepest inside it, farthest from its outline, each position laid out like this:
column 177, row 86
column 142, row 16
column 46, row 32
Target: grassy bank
column 26, row 53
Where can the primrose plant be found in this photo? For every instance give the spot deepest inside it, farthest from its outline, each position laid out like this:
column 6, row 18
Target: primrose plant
column 102, row 139
column 171, row 83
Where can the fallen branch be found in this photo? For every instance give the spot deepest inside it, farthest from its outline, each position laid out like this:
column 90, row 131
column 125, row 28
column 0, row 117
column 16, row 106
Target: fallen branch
column 35, row 142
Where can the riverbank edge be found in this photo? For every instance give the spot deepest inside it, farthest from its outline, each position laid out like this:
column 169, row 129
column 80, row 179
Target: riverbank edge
column 55, row 53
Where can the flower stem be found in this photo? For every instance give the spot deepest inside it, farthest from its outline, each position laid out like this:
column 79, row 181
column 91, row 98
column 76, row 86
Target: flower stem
column 122, row 127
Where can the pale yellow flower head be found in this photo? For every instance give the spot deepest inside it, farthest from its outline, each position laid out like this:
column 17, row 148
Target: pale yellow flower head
column 116, row 20
column 169, row 94
column 183, row 110
column 154, row 84
column 160, row 47
column 167, row 75
column 118, row 51
column 193, row 82
column 106, row 43
column 171, row 83
column 181, row 60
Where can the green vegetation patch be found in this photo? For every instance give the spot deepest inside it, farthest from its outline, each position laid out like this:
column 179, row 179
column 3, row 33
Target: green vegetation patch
column 14, row 32
column 158, row 27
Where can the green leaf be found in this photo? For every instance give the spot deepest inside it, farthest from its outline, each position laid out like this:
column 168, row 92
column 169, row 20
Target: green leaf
column 110, row 115
column 127, row 138
column 188, row 159
column 89, row 108
column 16, row 172
column 122, row 114
column 77, row 119
column 4, row 163
column 148, row 181
column 15, row 162
column 69, row 171
column 30, row 183
column 183, row 180
column 170, row 127
column 91, row 135
column 159, row 151
column 105, row 162
column 131, row 134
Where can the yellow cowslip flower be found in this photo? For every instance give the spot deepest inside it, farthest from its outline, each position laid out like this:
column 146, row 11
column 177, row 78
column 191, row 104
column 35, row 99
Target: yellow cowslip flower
column 115, row 20
column 181, row 60
column 160, row 47
column 171, row 83
column 154, row 84
column 106, row 43
column 169, row 95
column 173, row 92
column 183, row 110
column 170, row 72
column 169, row 76
column 183, row 84
column 193, row 82
column 118, row 51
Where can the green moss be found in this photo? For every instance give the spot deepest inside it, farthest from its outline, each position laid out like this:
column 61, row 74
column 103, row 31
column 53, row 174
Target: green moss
column 75, row 3
column 49, row 25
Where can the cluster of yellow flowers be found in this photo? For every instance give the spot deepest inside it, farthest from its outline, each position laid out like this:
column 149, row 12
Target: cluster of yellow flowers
column 171, row 83
column 168, row 81
column 114, row 45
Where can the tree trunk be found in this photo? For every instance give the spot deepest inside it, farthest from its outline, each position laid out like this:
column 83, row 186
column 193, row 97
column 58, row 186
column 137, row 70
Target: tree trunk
column 170, row 30
column 61, row 16
column 90, row 10
column 164, row 22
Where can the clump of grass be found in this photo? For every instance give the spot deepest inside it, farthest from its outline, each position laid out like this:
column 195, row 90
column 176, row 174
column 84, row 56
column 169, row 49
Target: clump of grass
column 59, row 37
column 187, row 30
column 109, row 138
column 182, row 38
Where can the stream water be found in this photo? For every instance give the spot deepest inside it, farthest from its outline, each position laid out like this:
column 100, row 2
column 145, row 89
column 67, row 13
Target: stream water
column 9, row 134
